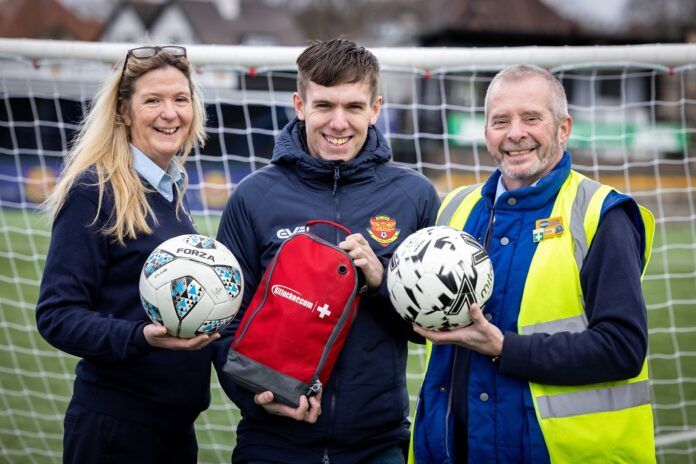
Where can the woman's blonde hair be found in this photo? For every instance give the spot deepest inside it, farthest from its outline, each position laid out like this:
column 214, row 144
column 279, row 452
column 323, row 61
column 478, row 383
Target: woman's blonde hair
column 102, row 144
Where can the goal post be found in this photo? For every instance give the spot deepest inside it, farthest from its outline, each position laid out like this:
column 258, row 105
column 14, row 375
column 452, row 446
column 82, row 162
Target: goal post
column 412, row 58
column 634, row 113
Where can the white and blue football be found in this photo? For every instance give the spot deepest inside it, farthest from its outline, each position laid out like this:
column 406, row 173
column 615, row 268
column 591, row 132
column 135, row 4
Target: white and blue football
column 192, row 285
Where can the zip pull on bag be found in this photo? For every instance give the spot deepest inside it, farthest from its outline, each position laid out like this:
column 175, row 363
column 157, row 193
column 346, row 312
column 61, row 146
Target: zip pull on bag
column 297, row 322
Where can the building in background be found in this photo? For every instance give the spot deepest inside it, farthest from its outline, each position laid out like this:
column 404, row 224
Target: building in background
column 221, row 22
column 45, row 19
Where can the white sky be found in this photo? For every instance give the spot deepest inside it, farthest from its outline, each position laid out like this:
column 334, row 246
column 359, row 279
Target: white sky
column 592, row 11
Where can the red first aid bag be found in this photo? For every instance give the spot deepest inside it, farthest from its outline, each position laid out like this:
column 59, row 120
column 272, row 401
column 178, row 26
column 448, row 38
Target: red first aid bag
column 297, row 322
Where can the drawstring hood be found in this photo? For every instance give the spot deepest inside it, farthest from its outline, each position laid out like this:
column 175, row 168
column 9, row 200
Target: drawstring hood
column 291, row 148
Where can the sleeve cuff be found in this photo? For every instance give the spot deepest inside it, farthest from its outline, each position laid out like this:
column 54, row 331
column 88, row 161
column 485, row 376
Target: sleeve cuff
column 141, row 346
column 512, row 359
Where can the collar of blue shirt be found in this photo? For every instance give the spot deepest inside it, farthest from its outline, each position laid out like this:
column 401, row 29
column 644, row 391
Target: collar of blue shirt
column 500, row 189
column 162, row 181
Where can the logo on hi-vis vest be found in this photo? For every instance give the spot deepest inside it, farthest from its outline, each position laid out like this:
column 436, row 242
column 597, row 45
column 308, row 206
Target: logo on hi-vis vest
column 293, row 295
column 383, row 230
column 547, row 228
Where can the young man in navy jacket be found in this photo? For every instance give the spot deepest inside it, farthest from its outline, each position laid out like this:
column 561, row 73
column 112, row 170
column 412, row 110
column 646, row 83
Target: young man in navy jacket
column 331, row 162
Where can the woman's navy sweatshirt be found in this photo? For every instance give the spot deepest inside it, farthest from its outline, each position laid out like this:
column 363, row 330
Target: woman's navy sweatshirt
column 89, row 306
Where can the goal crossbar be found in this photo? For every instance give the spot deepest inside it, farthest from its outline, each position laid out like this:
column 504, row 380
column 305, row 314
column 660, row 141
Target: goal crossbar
column 423, row 58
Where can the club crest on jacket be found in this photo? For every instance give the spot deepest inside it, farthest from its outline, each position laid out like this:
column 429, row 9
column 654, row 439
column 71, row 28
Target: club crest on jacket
column 383, row 230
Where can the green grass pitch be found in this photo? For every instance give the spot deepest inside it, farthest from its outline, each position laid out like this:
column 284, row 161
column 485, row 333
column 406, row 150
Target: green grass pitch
column 36, row 380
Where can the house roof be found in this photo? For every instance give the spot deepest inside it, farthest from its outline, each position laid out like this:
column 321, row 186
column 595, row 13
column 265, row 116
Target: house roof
column 209, row 26
column 147, row 12
column 455, row 22
column 496, row 20
column 256, row 17
column 520, row 17
column 506, row 23
column 45, row 19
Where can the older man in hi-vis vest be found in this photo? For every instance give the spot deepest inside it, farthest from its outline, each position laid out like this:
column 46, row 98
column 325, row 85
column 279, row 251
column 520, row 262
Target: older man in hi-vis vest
column 554, row 368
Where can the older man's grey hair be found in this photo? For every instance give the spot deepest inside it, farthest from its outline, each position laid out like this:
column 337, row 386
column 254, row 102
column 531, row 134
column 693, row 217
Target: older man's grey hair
column 557, row 99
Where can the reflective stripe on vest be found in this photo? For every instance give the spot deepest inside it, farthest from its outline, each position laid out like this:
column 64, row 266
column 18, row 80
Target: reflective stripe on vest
column 594, row 401
column 457, row 206
column 573, row 324
column 586, row 191
column 586, row 402
column 581, row 423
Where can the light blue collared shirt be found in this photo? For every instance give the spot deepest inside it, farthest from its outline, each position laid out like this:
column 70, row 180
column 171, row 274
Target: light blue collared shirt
column 501, row 188
column 162, row 181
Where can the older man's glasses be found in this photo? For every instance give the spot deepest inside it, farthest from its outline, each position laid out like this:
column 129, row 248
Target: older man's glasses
column 142, row 53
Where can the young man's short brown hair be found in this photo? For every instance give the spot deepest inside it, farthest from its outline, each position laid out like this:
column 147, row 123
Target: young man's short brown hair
column 335, row 62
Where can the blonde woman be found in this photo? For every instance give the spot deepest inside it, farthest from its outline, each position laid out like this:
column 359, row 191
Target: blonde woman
column 137, row 390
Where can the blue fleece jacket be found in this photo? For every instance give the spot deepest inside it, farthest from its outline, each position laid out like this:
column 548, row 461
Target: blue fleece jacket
column 89, row 306
column 365, row 403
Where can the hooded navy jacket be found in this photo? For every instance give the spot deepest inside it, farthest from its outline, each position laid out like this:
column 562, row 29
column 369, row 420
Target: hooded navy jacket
column 365, row 403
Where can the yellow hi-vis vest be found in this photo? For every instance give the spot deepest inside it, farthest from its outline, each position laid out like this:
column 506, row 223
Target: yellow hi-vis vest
column 608, row 422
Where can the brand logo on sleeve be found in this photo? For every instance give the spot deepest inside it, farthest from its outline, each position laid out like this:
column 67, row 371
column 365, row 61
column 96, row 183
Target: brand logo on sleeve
column 288, row 232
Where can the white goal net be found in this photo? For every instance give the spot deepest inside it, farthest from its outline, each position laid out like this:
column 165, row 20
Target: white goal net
column 634, row 111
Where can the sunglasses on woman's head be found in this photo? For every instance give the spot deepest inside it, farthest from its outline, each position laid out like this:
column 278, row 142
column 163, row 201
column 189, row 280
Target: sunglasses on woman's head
column 148, row 52
column 142, row 53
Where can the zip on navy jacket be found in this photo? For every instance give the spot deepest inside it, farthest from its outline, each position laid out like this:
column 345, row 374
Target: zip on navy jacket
column 365, row 402
column 89, row 306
